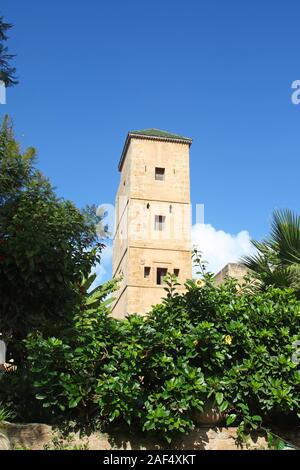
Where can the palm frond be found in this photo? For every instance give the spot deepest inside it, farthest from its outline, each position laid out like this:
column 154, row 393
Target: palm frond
column 285, row 232
column 100, row 293
column 277, row 259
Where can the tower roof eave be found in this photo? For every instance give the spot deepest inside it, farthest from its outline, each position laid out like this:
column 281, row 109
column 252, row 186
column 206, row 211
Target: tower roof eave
column 152, row 134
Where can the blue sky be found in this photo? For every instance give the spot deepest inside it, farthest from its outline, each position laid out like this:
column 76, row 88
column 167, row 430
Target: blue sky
column 219, row 72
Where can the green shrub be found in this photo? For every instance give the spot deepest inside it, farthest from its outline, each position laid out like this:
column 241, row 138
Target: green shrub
column 65, row 369
column 212, row 344
column 5, row 413
column 46, row 243
column 17, row 391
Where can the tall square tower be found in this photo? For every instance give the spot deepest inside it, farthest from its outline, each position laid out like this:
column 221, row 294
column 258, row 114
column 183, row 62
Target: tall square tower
column 153, row 218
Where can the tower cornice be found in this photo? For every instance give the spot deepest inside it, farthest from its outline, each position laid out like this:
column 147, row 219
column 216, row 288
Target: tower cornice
column 152, row 134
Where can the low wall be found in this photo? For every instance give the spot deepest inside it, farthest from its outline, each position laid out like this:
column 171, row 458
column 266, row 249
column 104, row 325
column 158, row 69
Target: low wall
column 43, row 437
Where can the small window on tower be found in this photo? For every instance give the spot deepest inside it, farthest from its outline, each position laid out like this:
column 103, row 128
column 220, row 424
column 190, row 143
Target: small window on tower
column 176, row 272
column 160, row 274
column 159, row 174
column 147, row 271
column 160, row 222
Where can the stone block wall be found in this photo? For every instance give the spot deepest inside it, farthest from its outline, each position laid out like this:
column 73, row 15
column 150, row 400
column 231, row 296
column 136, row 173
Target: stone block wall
column 43, row 437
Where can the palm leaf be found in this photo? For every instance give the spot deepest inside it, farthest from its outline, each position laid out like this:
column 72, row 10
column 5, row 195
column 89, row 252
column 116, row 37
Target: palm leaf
column 277, row 259
column 285, row 233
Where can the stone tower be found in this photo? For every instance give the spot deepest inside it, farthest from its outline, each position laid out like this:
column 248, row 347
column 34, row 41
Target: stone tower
column 153, row 218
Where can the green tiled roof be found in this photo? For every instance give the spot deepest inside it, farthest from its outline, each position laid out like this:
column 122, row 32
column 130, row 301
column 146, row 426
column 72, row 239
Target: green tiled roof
column 160, row 133
column 155, row 133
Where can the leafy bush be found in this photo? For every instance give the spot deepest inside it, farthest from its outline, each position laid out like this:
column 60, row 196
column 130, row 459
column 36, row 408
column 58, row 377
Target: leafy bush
column 65, row 369
column 211, row 344
column 46, row 243
column 246, row 351
column 5, row 413
column 19, row 394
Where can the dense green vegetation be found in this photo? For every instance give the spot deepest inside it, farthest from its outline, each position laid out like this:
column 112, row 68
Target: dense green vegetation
column 231, row 347
column 212, row 344
column 46, row 246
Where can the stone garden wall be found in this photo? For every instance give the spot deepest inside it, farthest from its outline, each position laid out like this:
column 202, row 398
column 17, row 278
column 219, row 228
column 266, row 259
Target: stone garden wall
column 42, row 436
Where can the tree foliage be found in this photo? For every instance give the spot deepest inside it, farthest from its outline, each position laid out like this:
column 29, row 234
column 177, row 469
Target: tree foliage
column 7, row 71
column 46, row 245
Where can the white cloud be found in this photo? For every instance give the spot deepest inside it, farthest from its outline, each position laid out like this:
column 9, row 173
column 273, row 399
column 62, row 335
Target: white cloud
column 103, row 269
column 219, row 247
